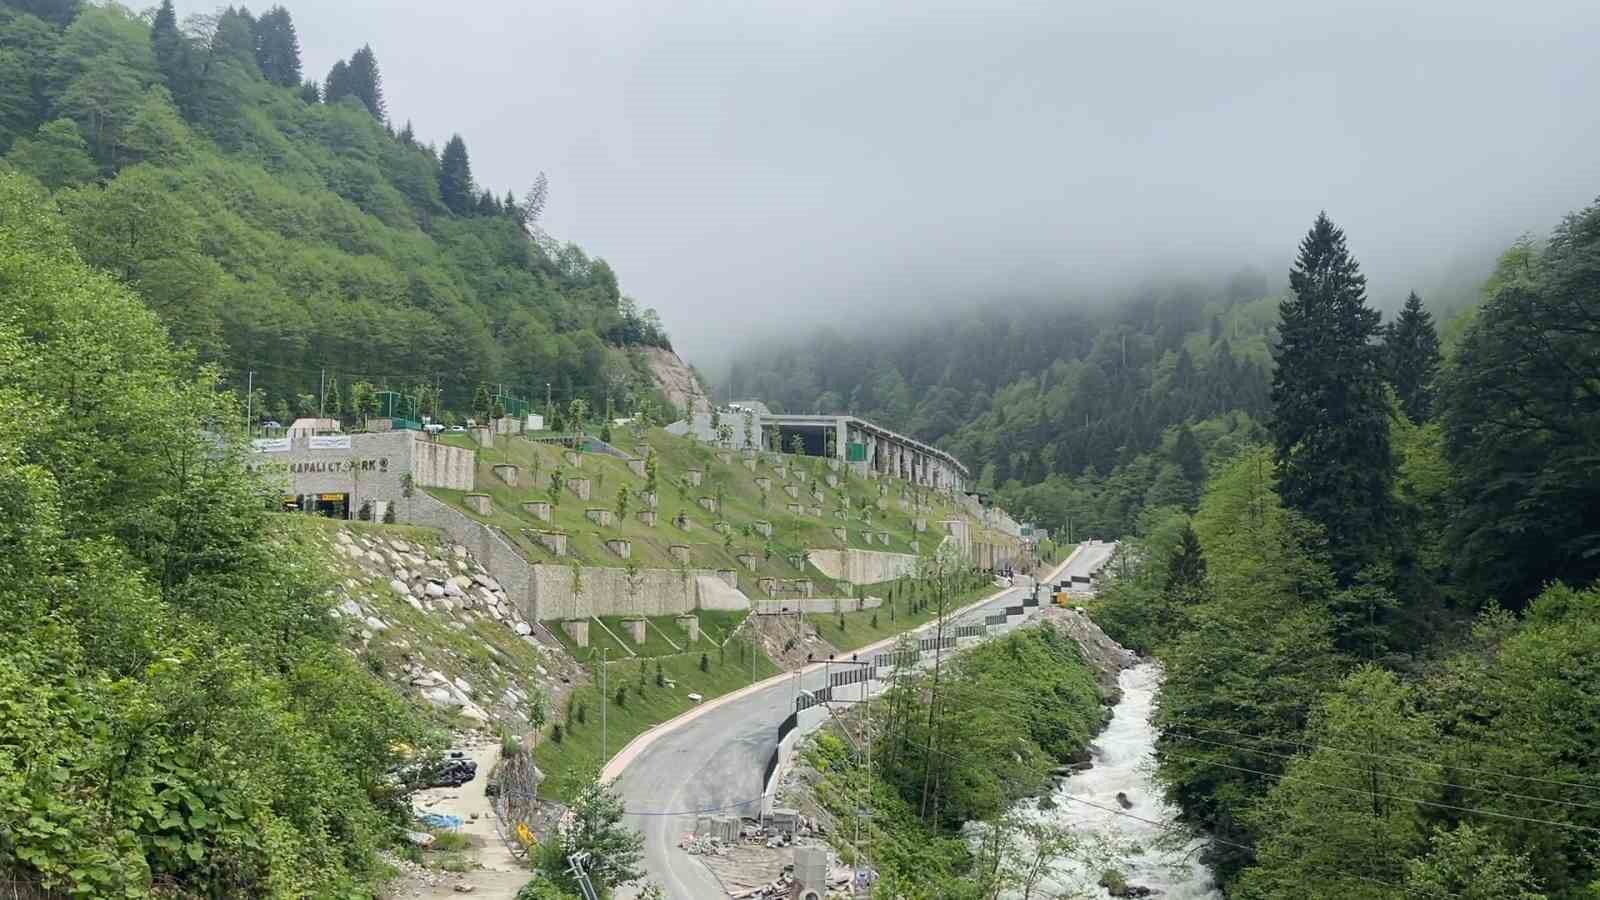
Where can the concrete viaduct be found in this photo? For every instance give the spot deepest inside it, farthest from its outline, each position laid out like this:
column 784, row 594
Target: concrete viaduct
column 860, row 444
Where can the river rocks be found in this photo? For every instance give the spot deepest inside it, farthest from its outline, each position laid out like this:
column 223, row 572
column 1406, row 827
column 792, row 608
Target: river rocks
column 1123, row 801
column 399, row 587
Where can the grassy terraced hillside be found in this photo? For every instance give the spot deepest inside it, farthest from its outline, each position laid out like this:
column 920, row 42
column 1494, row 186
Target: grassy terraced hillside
column 855, row 504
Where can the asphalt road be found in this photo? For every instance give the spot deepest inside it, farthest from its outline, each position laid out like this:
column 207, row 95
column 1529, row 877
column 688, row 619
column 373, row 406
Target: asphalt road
column 713, row 762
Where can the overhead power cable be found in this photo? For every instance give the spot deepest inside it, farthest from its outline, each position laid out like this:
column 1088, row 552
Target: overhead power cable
column 1353, row 752
column 1366, row 793
column 1289, row 756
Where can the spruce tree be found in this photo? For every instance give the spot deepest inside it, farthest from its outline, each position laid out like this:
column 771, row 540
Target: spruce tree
column 407, row 135
column 365, row 82
column 1411, row 350
column 1186, row 568
column 1330, row 418
column 278, row 48
column 171, row 53
column 1191, row 461
column 455, row 177
column 311, row 92
column 337, row 85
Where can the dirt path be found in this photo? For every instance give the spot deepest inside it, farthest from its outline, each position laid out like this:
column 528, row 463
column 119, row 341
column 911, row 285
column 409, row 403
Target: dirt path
column 498, row 875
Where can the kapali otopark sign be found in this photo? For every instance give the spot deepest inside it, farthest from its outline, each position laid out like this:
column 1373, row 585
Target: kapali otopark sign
column 378, row 464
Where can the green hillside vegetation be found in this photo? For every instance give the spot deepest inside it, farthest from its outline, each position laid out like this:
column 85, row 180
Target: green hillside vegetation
column 985, row 746
column 636, row 701
column 1379, row 626
column 289, row 229
column 742, row 504
column 178, row 708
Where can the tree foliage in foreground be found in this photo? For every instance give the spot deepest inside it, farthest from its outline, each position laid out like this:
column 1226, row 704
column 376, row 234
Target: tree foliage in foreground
column 176, row 705
column 1521, row 417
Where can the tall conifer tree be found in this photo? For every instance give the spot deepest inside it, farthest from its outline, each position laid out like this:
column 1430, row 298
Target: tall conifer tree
column 171, row 53
column 455, row 177
column 1330, row 420
column 1411, row 350
column 337, row 85
column 365, row 82
column 278, row 47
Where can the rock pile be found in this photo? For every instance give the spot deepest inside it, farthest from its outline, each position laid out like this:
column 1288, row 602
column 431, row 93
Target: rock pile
column 447, row 585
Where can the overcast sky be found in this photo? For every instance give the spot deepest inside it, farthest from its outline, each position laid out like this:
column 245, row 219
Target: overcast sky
column 753, row 164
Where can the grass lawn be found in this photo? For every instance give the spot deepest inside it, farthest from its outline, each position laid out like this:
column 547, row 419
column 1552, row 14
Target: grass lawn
column 578, row 755
column 859, row 630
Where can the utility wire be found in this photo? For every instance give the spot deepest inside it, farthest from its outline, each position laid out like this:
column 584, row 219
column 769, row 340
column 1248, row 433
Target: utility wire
column 1479, row 771
column 1216, row 840
column 1464, row 787
column 1367, row 793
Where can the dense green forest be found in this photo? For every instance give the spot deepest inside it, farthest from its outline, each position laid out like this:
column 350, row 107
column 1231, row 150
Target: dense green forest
column 1380, row 624
column 286, row 228
column 176, row 711
column 1065, row 411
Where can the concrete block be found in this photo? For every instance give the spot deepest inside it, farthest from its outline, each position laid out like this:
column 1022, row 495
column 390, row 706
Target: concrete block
column 796, row 509
column 621, row 547
column 802, row 476
column 578, row 630
column 690, row 626
column 479, row 503
column 694, row 476
column 636, row 466
column 835, row 463
column 483, row 436
column 598, row 515
column 680, row 553
column 763, row 482
column 506, row 473
column 769, row 586
column 919, row 525
column 762, row 527
column 798, row 560
column 842, row 535
column 818, row 498
column 749, row 560
column 833, row 480
column 650, row 499
column 539, row 509
column 721, row 527
column 883, row 503
column 580, row 487
column 883, row 538
column 573, row 458
column 554, row 541
column 709, row 504
column 792, row 491
column 635, row 629
column 815, row 512
column 729, row 577
column 782, row 469
column 725, row 457
column 916, row 546
column 749, row 453
column 683, row 521
column 647, row 517
column 749, row 463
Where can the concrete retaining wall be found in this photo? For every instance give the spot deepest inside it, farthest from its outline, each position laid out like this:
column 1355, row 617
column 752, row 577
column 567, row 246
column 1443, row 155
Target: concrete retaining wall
column 544, row 592
column 863, row 566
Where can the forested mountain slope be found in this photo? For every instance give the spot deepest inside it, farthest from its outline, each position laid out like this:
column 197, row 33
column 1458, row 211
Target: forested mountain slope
column 1378, row 627
column 286, row 228
column 1051, row 399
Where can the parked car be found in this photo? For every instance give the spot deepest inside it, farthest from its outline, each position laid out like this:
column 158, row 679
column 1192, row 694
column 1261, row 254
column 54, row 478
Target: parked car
column 453, row 770
column 461, row 428
column 433, row 428
column 271, row 423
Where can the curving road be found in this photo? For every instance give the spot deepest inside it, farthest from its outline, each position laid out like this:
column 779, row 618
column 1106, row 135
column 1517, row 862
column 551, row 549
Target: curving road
column 711, row 759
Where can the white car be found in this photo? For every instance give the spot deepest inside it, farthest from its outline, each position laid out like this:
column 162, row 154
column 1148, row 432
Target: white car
column 433, row 428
